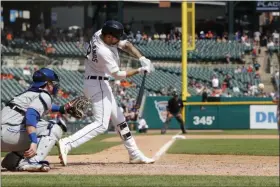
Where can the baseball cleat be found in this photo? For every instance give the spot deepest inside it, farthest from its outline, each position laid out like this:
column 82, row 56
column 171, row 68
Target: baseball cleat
column 141, row 159
column 63, row 151
column 34, row 167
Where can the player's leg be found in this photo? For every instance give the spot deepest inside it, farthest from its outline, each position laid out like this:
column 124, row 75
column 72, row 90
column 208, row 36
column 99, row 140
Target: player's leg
column 11, row 160
column 165, row 126
column 14, row 138
column 118, row 120
column 11, row 137
column 181, row 121
column 101, row 103
column 48, row 132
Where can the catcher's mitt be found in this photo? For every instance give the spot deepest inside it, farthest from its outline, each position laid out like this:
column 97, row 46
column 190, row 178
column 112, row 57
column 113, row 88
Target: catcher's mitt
column 77, row 107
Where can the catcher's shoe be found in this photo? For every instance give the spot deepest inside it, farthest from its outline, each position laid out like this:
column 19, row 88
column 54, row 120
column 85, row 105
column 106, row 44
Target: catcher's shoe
column 63, row 151
column 141, row 159
column 33, row 167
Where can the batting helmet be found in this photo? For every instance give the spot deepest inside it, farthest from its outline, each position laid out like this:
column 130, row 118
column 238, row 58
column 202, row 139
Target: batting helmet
column 114, row 28
column 42, row 76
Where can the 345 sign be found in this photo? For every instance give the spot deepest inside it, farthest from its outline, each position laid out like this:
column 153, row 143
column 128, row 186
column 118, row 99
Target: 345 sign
column 203, row 120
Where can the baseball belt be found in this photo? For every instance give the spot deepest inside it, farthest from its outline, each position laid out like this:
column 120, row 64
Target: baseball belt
column 98, row 78
column 16, row 108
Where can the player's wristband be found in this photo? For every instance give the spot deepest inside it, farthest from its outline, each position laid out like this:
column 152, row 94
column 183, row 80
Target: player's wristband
column 33, row 137
column 57, row 108
column 62, row 109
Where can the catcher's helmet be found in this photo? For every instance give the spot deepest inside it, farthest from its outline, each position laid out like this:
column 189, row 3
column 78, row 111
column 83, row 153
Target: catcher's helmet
column 114, row 28
column 42, row 76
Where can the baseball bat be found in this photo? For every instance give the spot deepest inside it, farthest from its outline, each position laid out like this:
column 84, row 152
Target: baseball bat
column 141, row 92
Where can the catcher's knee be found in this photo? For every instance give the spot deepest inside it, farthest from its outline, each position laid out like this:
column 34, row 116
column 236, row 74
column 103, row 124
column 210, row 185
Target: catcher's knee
column 57, row 127
column 124, row 131
column 56, row 132
column 11, row 161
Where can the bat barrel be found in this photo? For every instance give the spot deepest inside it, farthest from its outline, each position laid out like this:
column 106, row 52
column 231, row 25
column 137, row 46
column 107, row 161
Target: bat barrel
column 141, row 92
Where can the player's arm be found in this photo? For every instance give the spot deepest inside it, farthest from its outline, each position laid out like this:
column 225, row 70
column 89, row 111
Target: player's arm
column 112, row 66
column 128, row 73
column 133, row 51
column 129, row 48
column 31, row 119
column 57, row 108
column 32, row 116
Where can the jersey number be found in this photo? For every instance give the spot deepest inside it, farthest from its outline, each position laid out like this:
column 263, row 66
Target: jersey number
column 92, row 49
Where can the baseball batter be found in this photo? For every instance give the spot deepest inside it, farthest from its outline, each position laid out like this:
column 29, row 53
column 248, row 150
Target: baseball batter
column 102, row 61
column 24, row 135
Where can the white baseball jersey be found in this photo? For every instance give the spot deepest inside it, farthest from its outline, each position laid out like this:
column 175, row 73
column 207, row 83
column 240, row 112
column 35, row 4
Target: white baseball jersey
column 40, row 101
column 102, row 59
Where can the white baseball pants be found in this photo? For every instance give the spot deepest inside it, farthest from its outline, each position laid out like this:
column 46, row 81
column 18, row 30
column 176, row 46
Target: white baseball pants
column 104, row 108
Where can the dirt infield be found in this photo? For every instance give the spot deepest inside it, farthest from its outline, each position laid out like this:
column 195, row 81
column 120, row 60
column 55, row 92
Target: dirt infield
column 115, row 160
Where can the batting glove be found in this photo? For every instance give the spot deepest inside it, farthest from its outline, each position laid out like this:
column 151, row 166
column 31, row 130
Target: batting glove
column 146, row 62
column 144, row 69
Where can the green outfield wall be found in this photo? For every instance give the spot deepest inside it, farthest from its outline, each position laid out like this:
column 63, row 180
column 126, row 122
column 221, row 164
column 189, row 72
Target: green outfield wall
column 212, row 117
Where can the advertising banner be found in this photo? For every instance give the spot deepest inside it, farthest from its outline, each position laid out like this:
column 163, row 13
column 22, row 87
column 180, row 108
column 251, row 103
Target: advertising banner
column 268, row 6
column 263, row 117
column 155, row 113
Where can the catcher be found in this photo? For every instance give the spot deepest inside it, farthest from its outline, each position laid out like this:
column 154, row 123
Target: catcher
column 26, row 137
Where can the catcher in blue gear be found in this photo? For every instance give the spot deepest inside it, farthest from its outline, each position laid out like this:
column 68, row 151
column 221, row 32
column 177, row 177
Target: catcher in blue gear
column 27, row 137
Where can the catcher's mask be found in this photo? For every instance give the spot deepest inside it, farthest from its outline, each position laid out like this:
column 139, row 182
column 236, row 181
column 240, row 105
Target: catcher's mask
column 43, row 76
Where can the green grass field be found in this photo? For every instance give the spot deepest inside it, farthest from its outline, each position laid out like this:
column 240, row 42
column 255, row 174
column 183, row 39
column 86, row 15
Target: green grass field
column 265, row 147
column 239, row 132
column 77, row 181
